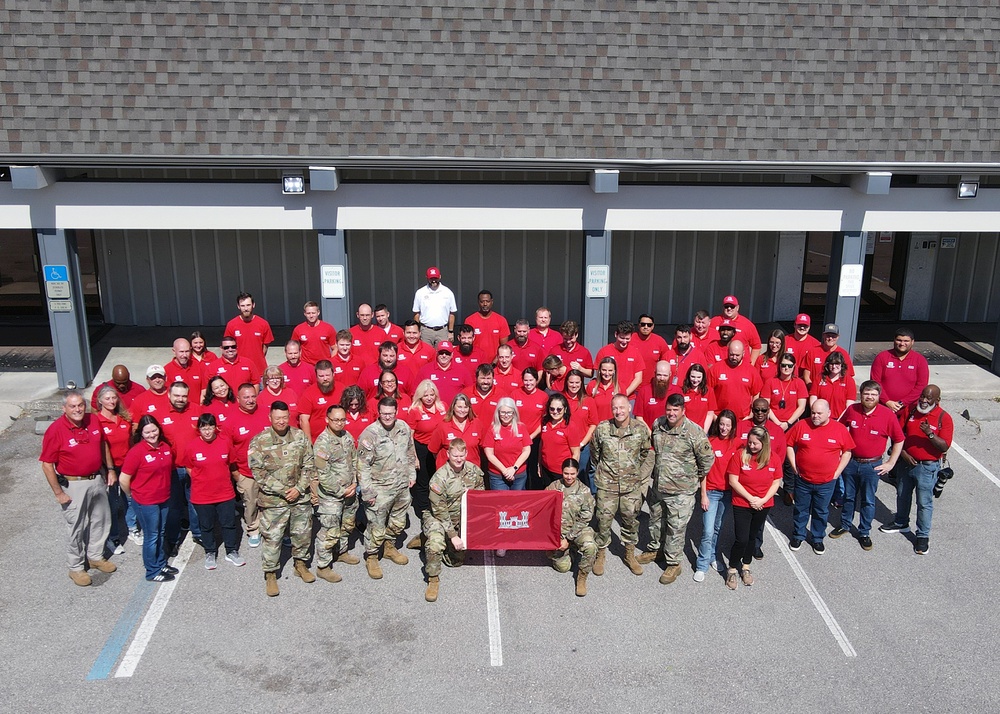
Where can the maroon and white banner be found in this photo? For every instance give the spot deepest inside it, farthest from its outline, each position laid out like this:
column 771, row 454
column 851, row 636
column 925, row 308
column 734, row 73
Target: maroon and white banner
column 515, row 520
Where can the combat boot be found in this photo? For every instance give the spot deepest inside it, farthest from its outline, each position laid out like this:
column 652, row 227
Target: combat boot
column 271, row 584
column 80, row 577
column 431, row 595
column 394, row 555
column 348, row 559
column 599, row 563
column 105, row 566
column 630, row 561
column 374, row 569
column 416, row 542
column 328, row 575
column 581, row 584
column 648, row 557
column 302, row 570
column 670, row 574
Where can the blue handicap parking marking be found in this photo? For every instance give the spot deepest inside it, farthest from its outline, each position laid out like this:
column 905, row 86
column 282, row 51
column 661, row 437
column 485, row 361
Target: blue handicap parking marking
column 54, row 273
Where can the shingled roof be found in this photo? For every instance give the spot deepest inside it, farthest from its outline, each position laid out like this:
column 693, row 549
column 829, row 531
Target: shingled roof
column 702, row 80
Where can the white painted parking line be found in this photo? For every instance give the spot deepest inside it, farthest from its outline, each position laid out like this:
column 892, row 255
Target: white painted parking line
column 813, row 593
column 148, row 625
column 979, row 467
column 492, row 609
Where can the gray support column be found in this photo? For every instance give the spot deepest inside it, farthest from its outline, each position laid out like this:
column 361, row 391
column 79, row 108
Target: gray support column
column 843, row 292
column 597, row 290
column 67, row 313
column 333, row 279
column 995, row 364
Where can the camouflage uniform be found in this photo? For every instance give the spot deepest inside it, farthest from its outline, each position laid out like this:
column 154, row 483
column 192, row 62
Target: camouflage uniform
column 335, row 473
column 442, row 521
column 682, row 458
column 387, row 462
column 624, row 465
column 577, row 512
column 278, row 463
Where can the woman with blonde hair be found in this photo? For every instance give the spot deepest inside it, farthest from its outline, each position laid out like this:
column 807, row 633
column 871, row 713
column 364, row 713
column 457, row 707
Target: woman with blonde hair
column 506, row 445
column 423, row 416
column 754, row 475
column 459, row 423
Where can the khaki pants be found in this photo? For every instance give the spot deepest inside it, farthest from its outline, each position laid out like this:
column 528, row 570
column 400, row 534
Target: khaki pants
column 247, row 488
column 88, row 521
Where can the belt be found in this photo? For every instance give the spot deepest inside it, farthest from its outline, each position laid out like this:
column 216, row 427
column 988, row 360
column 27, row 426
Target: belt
column 930, row 461
column 867, row 461
column 88, row 477
column 439, row 327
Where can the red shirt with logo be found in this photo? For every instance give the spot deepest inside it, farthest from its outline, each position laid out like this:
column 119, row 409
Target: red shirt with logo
column 239, row 371
column 531, row 355
column 556, row 440
column 735, row 387
column 530, row 408
column 548, row 342
column 75, row 451
column 298, row 377
column 746, row 331
column 471, row 433
column 507, row 446
column 417, row 357
column 287, row 395
column 837, row 392
column 629, row 362
column 240, row 428
column 180, row 428
column 314, row 404
column 483, row 405
column 193, row 376
column 698, row 405
column 251, row 338
column 723, row 449
column 489, row 331
column 149, row 402
column 126, row 397
column 317, row 341
column 917, row 444
column 151, row 468
column 208, row 465
column 649, row 407
column 653, row 349
column 788, row 390
column 757, row 480
column 818, row 449
column 870, row 431
column 118, row 433
column 579, row 353
column 449, row 382
column 423, row 422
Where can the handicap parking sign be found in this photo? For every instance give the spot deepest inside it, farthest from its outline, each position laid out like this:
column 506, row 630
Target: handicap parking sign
column 55, row 272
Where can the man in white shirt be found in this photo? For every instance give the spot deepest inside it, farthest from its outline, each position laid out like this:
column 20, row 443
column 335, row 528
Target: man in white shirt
column 434, row 308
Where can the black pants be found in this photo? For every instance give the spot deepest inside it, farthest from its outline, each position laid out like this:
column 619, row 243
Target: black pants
column 421, row 491
column 225, row 514
column 748, row 527
column 535, row 482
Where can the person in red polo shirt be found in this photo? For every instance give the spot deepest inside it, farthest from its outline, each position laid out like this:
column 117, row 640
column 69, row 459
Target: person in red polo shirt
column 870, row 425
column 800, row 341
column 275, row 390
column 651, row 398
column 75, row 456
column 459, row 423
column 298, row 374
column 651, row 346
column 505, row 375
column 490, row 328
column 699, row 399
column 832, row 385
column 717, row 350
column 684, row 353
column 541, row 334
column 154, row 400
column 554, row 376
column 234, row 367
column 484, row 396
column 180, row 427
column 316, row 338
column 628, row 359
column 701, row 334
column 347, row 364
column 242, row 425
column 736, row 382
column 526, row 352
column 927, row 432
column 357, row 413
column 122, row 383
column 414, row 352
column 208, row 462
column 448, row 377
column 388, row 361
column 314, row 401
column 812, row 364
column 571, row 352
column 466, row 353
column 746, row 331
column 365, row 339
column 559, row 439
column 384, row 330
column 184, row 369
column 902, row 372
column 818, row 451
column 252, row 332
column 199, row 350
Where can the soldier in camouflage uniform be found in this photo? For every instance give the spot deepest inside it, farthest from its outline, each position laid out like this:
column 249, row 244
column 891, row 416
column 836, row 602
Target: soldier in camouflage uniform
column 281, row 460
column 620, row 450
column 577, row 512
column 682, row 458
column 443, row 520
column 387, row 468
column 334, row 492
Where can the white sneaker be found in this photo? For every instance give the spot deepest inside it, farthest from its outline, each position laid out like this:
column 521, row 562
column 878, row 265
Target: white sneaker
column 118, row 548
column 501, row 552
column 135, row 536
column 699, row 576
column 236, row 559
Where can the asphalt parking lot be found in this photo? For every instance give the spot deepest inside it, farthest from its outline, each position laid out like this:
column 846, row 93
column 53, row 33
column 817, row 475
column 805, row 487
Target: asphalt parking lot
column 846, row 631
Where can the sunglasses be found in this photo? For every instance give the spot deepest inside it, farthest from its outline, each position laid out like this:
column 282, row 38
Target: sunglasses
column 645, row 324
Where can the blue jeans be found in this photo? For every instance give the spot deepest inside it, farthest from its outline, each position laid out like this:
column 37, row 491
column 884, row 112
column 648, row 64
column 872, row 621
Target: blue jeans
column 497, row 482
column 711, row 524
column 921, row 477
column 860, row 485
column 119, row 502
column 587, row 469
column 153, row 521
column 811, row 499
column 180, row 500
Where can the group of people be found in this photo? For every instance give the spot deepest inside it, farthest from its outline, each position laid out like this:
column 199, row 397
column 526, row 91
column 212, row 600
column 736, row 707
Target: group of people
column 363, row 423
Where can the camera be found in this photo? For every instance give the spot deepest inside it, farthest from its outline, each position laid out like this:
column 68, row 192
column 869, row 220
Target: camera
column 944, row 475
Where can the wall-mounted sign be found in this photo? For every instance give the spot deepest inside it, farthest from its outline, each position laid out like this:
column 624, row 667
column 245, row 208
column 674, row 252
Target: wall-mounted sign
column 60, row 306
column 850, row 280
column 598, row 281
column 57, row 289
column 949, row 241
column 334, row 285
column 55, row 272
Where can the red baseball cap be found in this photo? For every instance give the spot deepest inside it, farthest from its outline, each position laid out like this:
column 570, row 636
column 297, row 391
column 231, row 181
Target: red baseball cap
column 433, row 272
column 730, row 300
column 445, row 346
column 802, row 319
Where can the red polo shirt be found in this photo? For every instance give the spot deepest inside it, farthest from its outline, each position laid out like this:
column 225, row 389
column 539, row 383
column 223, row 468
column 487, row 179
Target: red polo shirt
column 298, row 377
column 180, row 428
column 251, row 338
column 506, row 446
column 548, row 342
column 698, row 405
column 556, row 440
column 118, row 433
column 902, row 380
column 406, row 381
column 579, row 353
column 774, row 431
column 366, row 343
column 150, row 469
column 489, row 331
column 472, row 435
column 314, row 404
column 423, row 423
column 357, row 423
column 239, row 371
column 149, row 402
column 735, row 387
column 798, row 347
column 653, row 349
column 531, row 355
column 790, row 390
column 602, row 397
column 75, row 451
column 682, row 363
column 530, row 407
column 628, row 361
column 193, row 376
column 126, row 397
column 916, row 443
column 240, row 428
column 287, row 395
column 484, row 404
column 838, row 393
column 449, row 382
column 421, row 354
column 508, row 381
column 723, row 449
column 649, row 407
column 317, row 341
column 818, row 449
column 757, row 480
column 870, row 431
column 815, row 358
column 208, row 465
column 746, row 331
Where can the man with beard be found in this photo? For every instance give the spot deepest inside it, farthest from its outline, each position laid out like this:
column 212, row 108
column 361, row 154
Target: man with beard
column 180, row 427
column 484, row 396
column 468, row 355
column 242, row 425
column 316, row 400
column 651, row 398
column 928, row 431
column 252, row 333
column 716, row 350
column 685, row 354
column 154, row 400
column 527, row 352
column 628, row 359
column 902, row 372
column 298, row 374
column 387, row 360
column 233, row 367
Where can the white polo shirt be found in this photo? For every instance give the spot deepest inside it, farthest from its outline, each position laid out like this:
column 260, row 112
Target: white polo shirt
column 434, row 306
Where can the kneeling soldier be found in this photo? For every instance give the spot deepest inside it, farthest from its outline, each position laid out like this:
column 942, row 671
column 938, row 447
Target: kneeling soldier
column 577, row 512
